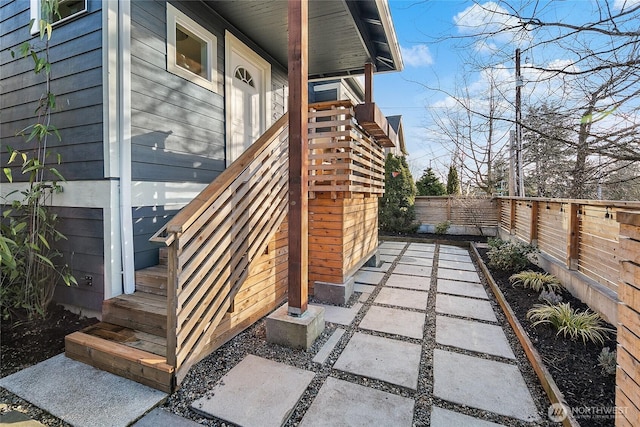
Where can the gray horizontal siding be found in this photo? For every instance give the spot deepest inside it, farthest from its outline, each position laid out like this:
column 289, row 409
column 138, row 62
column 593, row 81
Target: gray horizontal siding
column 84, row 253
column 146, row 221
column 76, row 57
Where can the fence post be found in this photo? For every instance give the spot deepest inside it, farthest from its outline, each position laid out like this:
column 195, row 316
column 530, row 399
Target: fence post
column 628, row 354
column 512, row 218
column 573, row 229
column 533, row 224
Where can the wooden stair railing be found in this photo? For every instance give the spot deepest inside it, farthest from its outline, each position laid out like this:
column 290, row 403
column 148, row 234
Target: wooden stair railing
column 213, row 239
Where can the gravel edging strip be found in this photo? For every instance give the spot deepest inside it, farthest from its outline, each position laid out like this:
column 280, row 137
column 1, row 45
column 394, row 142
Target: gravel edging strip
column 546, row 380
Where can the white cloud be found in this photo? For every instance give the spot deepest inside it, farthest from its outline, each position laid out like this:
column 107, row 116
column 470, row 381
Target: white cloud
column 417, row 56
column 492, row 22
column 625, row 4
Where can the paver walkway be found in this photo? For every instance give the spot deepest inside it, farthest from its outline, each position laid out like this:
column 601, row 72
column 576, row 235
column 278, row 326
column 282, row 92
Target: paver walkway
column 420, row 345
column 382, row 360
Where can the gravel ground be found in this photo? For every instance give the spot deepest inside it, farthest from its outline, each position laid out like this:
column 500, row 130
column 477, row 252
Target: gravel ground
column 204, row 375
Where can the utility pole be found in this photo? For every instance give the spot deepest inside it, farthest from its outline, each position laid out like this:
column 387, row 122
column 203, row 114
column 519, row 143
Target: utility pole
column 519, row 166
column 512, row 163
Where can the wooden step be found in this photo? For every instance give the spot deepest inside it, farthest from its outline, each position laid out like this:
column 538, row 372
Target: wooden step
column 140, row 311
column 113, row 349
column 152, row 280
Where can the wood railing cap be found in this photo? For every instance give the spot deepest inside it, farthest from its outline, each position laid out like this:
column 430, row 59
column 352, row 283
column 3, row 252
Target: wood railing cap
column 629, row 218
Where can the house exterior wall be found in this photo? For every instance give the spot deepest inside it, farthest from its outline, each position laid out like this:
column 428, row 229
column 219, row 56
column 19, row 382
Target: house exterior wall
column 177, row 126
column 76, row 57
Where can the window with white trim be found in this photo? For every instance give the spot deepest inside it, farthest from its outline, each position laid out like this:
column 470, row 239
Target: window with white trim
column 67, row 10
column 191, row 50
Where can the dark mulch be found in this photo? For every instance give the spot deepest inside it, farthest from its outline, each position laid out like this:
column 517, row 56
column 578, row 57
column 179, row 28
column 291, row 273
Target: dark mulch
column 573, row 365
column 24, row 343
column 431, row 237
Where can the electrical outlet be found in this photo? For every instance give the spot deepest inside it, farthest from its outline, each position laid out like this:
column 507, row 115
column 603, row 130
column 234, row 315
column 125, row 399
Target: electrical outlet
column 88, row 280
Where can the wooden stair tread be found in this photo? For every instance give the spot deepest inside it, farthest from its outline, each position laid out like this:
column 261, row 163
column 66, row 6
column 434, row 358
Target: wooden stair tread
column 152, row 279
column 141, row 311
column 129, row 337
column 120, row 359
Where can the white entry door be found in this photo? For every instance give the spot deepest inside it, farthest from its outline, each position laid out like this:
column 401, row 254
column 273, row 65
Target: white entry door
column 248, row 78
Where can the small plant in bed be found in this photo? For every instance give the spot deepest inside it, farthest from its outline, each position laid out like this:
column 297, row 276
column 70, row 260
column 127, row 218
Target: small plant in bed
column 607, row 361
column 574, row 324
column 536, row 280
column 510, row 256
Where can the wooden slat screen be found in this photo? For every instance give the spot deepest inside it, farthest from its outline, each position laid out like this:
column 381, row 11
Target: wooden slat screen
column 343, row 158
column 598, row 245
column 523, row 219
column 505, row 215
column 552, row 230
column 213, row 240
column 468, row 211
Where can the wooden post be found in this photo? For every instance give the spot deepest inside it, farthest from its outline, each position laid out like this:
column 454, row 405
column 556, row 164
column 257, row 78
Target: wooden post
column 298, row 157
column 573, row 229
column 533, row 225
column 512, row 217
column 368, row 83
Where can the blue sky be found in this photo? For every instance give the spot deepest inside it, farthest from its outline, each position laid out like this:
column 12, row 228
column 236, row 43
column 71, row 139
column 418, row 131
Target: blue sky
column 425, row 29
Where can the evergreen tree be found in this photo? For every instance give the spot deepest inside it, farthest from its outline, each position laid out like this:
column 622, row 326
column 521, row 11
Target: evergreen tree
column 430, row 185
column 397, row 211
column 453, row 182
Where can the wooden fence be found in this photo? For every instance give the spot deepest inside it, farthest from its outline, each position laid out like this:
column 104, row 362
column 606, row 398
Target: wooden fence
column 466, row 215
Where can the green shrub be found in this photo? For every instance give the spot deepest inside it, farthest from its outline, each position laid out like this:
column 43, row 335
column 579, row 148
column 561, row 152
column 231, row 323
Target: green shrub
column 442, row 227
column 607, row 361
column 509, row 256
column 396, row 207
column 585, row 325
column 536, row 280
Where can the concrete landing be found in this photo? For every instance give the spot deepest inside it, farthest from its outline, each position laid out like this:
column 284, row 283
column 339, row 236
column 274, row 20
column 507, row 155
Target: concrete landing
column 402, row 298
column 256, row 392
column 483, row 384
column 465, row 307
column 393, row 361
column 68, row 389
column 394, row 321
column 409, row 282
column 473, row 336
column 465, row 289
column 341, row 403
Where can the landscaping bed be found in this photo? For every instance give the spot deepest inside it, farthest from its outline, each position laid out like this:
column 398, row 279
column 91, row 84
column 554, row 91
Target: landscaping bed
column 574, row 366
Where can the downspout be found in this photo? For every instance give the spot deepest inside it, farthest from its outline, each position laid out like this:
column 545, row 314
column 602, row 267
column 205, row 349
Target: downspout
column 124, row 131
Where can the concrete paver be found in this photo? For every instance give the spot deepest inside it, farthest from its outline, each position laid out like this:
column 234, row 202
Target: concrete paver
column 269, row 391
column 17, row 419
column 409, row 282
column 342, row 403
column 456, row 265
column 473, row 336
column 431, row 247
column 394, row 321
column 419, row 254
column 483, row 384
column 369, row 277
column 393, row 361
column 465, row 307
column 402, row 298
column 393, row 245
column 454, row 257
column 390, row 251
column 340, row 315
column 448, row 249
column 67, row 389
column 460, row 275
column 425, row 262
column 359, row 287
column 413, row 270
column 441, row 417
column 159, row 417
column 388, row 258
column 327, row 348
column 466, row 289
